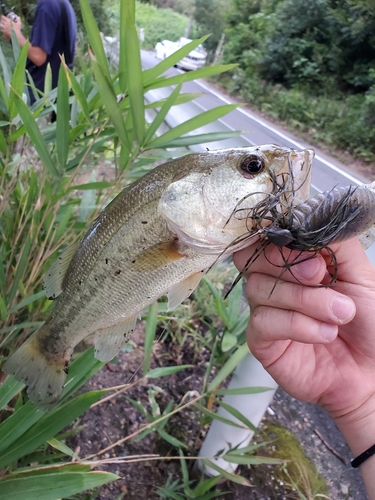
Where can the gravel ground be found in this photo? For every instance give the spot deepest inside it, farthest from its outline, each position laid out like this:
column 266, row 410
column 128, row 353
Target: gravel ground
column 106, row 423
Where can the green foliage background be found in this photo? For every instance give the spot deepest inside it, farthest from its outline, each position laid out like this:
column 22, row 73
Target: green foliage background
column 308, row 64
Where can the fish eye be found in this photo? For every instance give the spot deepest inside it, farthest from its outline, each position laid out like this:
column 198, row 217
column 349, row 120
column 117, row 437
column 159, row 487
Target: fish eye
column 252, row 164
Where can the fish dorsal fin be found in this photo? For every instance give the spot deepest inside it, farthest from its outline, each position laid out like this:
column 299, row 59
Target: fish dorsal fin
column 181, row 291
column 110, row 340
column 54, row 277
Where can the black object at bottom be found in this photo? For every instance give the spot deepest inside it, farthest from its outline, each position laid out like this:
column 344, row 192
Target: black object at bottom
column 363, row 456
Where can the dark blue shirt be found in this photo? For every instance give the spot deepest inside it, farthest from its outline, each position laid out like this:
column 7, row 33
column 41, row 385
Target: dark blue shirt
column 50, row 34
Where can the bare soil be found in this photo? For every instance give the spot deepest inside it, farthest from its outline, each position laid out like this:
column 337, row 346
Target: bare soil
column 107, row 423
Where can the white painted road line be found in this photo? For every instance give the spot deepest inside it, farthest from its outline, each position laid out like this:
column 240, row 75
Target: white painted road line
column 275, row 131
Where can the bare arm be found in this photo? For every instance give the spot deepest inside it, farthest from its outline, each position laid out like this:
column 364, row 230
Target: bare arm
column 35, row 54
column 319, row 343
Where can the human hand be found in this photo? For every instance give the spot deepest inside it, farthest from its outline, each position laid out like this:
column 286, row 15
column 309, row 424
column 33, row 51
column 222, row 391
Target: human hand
column 6, row 26
column 318, row 343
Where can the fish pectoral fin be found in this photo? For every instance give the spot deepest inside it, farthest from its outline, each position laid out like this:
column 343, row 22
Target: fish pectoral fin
column 110, row 340
column 54, row 277
column 158, row 256
column 182, row 290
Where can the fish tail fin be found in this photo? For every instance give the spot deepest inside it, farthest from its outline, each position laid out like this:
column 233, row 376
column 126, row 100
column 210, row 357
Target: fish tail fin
column 44, row 377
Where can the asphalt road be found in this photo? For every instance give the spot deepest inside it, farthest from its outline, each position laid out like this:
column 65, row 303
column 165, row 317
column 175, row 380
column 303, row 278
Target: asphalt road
column 327, row 172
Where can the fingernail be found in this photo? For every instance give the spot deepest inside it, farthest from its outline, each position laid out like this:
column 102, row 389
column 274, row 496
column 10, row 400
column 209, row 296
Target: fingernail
column 308, row 269
column 328, row 332
column 342, row 308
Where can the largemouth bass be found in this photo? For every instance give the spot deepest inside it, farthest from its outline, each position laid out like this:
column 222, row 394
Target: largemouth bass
column 157, row 237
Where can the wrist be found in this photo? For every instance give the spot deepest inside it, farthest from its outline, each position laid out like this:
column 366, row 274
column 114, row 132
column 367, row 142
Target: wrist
column 358, row 427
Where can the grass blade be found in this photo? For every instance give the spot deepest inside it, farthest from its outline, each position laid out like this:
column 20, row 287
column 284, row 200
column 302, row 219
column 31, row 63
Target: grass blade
column 20, row 270
column 8, row 389
column 166, row 370
column 188, row 77
column 229, row 366
column 192, row 124
column 18, row 80
column 228, row 475
column 94, row 37
column 216, row 416
column 109, row 100
column 242, row 390
column 79, row 93
column 51, row 484
column 35, row 135
column 135, row 83
column 62, row 120
column 237, row 414
column 17, row 424
column 160, row 117
column 48, row 426
column 151, row 74
column 190, row 140
column 150, row 332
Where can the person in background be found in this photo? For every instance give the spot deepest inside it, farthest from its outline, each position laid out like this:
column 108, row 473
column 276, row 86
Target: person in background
column 319, row 343
column 53, row 34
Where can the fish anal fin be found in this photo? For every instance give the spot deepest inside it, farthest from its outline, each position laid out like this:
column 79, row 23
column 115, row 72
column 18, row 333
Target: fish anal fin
column 181, row 291
column 43, row 377
column 110, row 340
column 158, row 256
column 54, row 277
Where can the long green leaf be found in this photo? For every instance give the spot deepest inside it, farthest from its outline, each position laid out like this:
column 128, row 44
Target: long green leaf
column 242, row 390
column 150, row 332
column 229, row 366
column 91, row 185
column 62, row 121
column 192, row 139
column 181, row 99
column 192, row 124
column 160, row 117
column 18, row 81
column 35, row 135
column 171, row 440
column 135, row 83
column 252, row 460
column 48, row 426
column 8, row 390
column 3, row 142
column 20, row 326
column 166, row 370
column 20, row 269
column 79, row 93
column 216, row 416
column 237, row 414
column 228, row 475
column 51, row 485
column 151, row 74
column 188, row 77
column 110, row 102
column 82, row 368
column 17, row 424
column 123, row 71
column 94, row 37
column 6, row 73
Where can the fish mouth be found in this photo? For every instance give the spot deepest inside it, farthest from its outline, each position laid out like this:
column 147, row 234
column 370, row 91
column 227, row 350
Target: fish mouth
column 300, row 168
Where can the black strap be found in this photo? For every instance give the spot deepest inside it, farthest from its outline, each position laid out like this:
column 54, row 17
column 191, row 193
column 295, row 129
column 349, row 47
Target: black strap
column 363, row 456
column 66, row 32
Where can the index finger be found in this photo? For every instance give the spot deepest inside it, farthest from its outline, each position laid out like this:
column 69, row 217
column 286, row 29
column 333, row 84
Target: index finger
column 294, row 266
